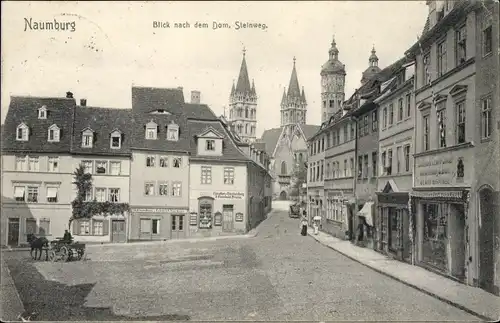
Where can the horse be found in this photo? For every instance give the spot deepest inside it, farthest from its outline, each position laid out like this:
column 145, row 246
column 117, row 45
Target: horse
column 37, row 244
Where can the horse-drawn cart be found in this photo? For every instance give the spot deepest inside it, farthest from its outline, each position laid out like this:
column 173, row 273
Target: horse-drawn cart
column 65, row 251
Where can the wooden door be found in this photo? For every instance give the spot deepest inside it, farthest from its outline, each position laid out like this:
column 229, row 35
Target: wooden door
column 13, row 236
column 227, row 218
column 487, row 241
column 177, row 229
column 118, row 232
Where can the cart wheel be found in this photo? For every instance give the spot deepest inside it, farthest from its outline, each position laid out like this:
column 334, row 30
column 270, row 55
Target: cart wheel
column 52, row 256
column 64, row 254
column 81, row 252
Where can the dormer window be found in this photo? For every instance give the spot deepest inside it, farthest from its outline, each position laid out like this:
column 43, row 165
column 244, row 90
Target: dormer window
column 173, row 131
column 22, row 132
column 54, row 133
column 87, row 138
column 210, row 145
column 151, row 130
column 42, row 112
column 116, row 139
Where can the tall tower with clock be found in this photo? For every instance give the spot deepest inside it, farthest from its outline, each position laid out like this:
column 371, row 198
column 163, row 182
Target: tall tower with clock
column 332, row 84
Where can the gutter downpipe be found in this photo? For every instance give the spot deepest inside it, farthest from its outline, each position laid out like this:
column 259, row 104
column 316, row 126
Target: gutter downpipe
column 414, row 234
column 355, row 178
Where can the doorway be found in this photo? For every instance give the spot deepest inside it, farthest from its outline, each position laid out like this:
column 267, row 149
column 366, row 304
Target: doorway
column 177, row 229
column 118, row 233
column 283, row 196
column 487, row 235
column 227, row 217
column 13, row 236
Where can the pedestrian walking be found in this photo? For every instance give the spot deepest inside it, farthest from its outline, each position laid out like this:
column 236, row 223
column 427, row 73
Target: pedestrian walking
column 303, row 224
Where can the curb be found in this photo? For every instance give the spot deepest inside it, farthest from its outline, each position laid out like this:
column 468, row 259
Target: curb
column 447, row 301
column 16, row 292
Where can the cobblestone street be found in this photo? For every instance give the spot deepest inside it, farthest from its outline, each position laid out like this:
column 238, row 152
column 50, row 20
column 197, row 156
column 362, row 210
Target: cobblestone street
column 278, row 275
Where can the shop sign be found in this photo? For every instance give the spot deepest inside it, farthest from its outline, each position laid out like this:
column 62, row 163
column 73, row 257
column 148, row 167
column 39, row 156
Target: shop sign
column 218, row 219
column 205, row 221
column 443, row 170
column 193, row 218
column 229, row 195
column 159, row 210
column 239, row 217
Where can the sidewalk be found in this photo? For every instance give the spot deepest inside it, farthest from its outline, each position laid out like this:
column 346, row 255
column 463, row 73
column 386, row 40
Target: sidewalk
column 470, row 299
column 11, row 305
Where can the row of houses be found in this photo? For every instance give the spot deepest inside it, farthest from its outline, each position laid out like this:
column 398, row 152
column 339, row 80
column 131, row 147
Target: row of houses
column 179, row 168
column 410, row 165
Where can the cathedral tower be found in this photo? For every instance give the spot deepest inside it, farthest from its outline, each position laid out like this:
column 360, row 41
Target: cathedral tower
column 293, row 103
column 243, row 105
column 332, row 84
column 372, row 69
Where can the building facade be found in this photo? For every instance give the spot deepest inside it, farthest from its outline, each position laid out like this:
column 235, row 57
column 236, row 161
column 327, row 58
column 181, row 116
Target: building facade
column 395, row 113
column 316, row 175
column 445, row 200
column 332, row 84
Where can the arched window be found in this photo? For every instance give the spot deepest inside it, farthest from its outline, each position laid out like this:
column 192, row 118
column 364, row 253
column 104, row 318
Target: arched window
column 300, row 158
column 283, row 168
column 246, row 128
column 246, row 112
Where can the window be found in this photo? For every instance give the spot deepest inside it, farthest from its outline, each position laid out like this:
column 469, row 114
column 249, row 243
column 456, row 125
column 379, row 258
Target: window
column 163, row 189
column 173, row 132
column 149, row 189
column 427, row 69
column 116, row 139
column 87, row 138
column 97, row 227
column 150, row 161
column 400, row 109
column 42, row 112
column 408, row 105
column 88, row 196
column 163, row 161
column 374, row 164
column 374, row 120
column 391, row 114
column 145, row 226
column 33, row 164
column 384, row 118
column 20, row 162
column 206, row 175
column 441, row 119
column 53, row 164
column 87, row 165
column 441, row 58
column 346, row 134
column 177, row 161
column 352, row 136
column 229, row 175
column 383, row 162
column 100, row 194
column 328, row 144
column 460, row 115
column 19, row 193
column 84, row 227
column 487, row 41
column 460, row 45
column 22, row 132
column 345, row 168
column 101, row 167
column 155, row 226
column 210, row 145
column 334, row 138
column 114, row 195
column 486, row 118
column 360, row 167
column 398, row 159
column 426, row 137
column 151, row 130
column 52, row 194
column 351, row 167
column 31, row 226
column 32, row 194
column 44, row 227
column 365, row 166
column 176, row 189
column 365, row 125
column 54, row 133
column 115, row 167
column 389, row 162
column 407, row 158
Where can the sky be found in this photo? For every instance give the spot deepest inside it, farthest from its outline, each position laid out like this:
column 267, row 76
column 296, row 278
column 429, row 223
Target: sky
column 114, row 45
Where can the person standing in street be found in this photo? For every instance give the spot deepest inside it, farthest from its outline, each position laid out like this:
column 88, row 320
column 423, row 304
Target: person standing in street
column 303, row 224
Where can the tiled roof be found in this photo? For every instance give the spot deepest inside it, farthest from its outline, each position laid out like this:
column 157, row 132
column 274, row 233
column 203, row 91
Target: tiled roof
column 270, row 137
column 309, row 130
column 260, row 146
column 103, row 121
column 229, row 151
column 25, row 109
column 147, row 99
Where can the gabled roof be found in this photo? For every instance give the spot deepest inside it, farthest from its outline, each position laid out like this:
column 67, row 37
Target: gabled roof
column 210, row 132
column 270, row 137
column 25, row 109
column 309, row 130
column 102, row 121
column 149, row 99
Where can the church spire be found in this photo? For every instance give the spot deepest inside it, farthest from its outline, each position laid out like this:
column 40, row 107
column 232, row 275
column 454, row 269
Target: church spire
column 373, row 60
column 293, row 87
column 243, row 84
column 334, row 51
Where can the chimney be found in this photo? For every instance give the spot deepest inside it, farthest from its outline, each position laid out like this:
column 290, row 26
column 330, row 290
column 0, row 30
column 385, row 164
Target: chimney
column 69, row 95
column 83, row 102
column 180, row 88
column 195, row 97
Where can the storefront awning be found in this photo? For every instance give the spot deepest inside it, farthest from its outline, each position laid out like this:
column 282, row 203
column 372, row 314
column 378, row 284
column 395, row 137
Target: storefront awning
column 19, row 191
column 367, row 212
column 51, row 192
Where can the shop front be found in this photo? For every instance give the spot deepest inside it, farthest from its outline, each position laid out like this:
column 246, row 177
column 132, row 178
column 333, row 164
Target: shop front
column 392, row 225
column 218, row 213
column 161, row 223
column 338, row 213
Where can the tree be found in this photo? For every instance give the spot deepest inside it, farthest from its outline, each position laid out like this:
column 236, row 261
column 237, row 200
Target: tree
column 299, row 178
column 83, row 209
